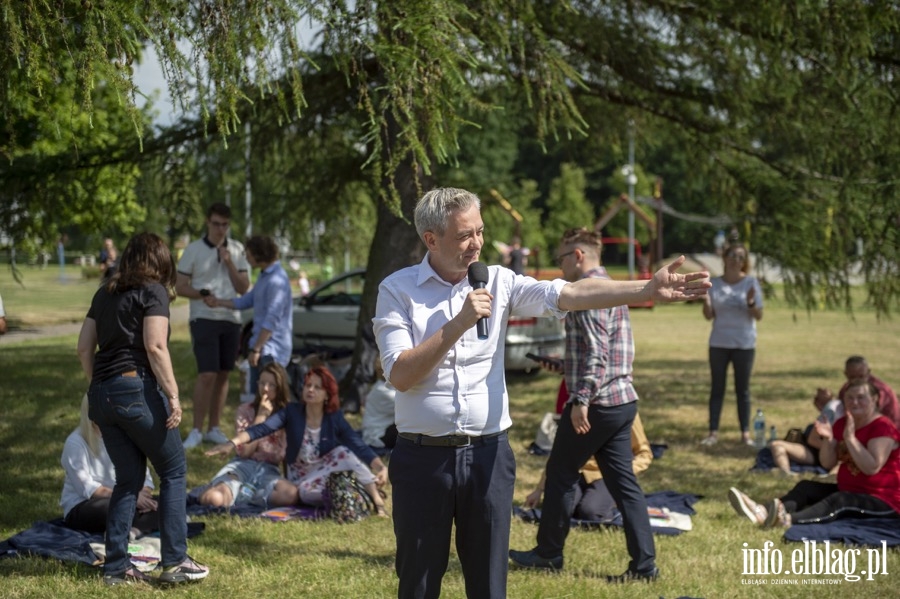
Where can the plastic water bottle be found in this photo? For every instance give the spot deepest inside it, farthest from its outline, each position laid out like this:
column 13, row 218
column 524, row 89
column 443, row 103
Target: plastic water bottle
column 773, row 434
column 759, row 428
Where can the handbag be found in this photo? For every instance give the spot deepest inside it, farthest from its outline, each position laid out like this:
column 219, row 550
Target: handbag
column 346, row 499
column 794, row 435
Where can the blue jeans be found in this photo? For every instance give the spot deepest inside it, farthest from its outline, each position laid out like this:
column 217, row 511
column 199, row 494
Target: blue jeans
column 742, row 360
column 131, row 413
column 609, row 441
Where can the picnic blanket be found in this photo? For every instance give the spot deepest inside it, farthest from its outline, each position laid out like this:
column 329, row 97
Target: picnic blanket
column 850, row 531
column 54, row 539
column 765, row 462
column 281, row 514
column 670, row 513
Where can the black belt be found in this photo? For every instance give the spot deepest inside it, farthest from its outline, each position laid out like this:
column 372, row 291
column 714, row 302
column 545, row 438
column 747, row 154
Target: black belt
column 448, row 440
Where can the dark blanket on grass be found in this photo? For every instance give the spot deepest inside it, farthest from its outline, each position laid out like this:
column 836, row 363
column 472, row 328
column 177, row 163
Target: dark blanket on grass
column 54, row 539
column 682, row 503
column 765, row 462
column 850, row 531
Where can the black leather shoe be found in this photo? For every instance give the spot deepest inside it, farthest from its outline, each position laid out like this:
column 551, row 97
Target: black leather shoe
column 630, row 576
column 530, row 559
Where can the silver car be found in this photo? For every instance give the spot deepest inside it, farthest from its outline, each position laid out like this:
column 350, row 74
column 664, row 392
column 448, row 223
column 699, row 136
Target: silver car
column 327, row 317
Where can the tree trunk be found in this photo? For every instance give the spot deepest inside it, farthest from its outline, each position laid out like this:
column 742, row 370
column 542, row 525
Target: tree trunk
column 395, row 245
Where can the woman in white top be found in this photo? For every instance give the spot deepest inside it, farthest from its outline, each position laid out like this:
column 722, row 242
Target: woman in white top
column 734, row 304
column 90, row 478
column 378, row 414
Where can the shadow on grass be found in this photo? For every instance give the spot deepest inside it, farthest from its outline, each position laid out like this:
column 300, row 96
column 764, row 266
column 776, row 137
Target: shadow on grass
column 41, row 397
column 383, row 560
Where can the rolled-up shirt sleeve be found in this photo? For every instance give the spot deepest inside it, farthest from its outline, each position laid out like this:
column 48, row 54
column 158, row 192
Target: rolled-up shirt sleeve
column 536, row 298
column 392, row 326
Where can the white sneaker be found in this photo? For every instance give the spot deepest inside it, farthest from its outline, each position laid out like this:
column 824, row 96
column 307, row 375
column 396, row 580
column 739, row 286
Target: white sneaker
column 745, row 506
column 186, row 571
column 214, row 435
column 194, row 438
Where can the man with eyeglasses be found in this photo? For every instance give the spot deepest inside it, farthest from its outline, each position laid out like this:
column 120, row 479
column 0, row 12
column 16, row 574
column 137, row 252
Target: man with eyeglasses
column 213, row 267
column 596, row 422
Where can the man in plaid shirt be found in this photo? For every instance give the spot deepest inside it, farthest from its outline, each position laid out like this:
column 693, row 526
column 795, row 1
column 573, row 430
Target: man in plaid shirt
column 596, row 421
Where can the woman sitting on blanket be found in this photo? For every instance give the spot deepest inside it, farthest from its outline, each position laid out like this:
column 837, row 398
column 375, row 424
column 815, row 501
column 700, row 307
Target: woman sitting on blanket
column 865, row 445
column 805, row 451
column 254, row 476
column 90, row 478
column 319, row 441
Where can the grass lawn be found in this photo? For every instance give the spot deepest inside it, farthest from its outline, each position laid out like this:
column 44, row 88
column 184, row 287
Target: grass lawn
column 43, row 298
column 42, row 387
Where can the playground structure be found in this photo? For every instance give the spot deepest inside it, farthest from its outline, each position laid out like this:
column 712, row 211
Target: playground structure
column 654, row 224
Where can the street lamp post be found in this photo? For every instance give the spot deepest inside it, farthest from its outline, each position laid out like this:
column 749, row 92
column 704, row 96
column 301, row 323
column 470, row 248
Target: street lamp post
column 631, row 177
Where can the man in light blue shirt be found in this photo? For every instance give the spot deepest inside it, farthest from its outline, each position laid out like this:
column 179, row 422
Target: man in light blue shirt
column 270, row 297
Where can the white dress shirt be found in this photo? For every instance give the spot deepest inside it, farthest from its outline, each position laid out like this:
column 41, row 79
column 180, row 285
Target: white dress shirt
column 466, row 393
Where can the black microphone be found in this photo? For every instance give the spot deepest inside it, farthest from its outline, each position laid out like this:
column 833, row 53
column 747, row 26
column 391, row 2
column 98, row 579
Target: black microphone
column 478, row 278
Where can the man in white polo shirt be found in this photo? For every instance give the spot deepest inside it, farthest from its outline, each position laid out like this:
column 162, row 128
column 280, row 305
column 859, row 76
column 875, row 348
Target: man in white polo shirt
column 213, row 267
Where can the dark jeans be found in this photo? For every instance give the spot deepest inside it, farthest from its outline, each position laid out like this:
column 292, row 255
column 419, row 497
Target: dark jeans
column 433, row 487
column 742, row 360
column 811, row 501
column 91, row 514
column 609, row 441
column 131, row 413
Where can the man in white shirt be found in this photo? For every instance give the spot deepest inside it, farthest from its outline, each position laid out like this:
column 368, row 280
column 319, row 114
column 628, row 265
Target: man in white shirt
column 452, row 462
column 210, row 268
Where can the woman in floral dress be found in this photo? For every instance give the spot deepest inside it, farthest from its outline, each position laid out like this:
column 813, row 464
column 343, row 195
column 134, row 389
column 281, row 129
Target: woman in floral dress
column 319, row 441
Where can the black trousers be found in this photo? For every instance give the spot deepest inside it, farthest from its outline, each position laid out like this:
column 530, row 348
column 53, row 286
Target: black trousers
column 742, row 360
column 435, row 487
column 90, row 516
column 812, row 501
column 609, row 441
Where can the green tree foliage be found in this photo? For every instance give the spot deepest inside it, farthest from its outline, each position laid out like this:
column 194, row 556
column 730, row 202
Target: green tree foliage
column 170, row 191
column 785, row 113
column 791, row 110
column 567, row 205
column 41, row 192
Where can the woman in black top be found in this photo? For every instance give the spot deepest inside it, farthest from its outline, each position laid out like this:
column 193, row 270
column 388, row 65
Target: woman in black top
column 133, row 395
